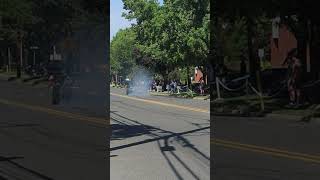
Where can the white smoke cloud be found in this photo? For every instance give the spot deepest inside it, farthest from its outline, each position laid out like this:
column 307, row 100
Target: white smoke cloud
column 140, row 82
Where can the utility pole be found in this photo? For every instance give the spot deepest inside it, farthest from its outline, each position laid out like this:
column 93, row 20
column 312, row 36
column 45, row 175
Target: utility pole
column 19, row 46
column 9, row 59
column 252, row 60
column 34, row 48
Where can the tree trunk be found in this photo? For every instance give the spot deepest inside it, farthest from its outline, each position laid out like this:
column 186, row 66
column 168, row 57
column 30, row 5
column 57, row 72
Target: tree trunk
column 2, row 58
column 205, row 74
column 19, row 56
column 212, row 47
column 314, row 53
column 252, row 62
column 188, row 78
column 165, row 80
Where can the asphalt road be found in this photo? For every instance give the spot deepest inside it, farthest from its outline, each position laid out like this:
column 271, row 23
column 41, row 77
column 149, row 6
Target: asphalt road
column 41, row 141
column 152, row 138
column 159, row 138
column 265, row 148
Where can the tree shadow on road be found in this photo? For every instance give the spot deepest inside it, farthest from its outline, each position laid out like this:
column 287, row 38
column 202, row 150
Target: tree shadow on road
column 15, row 125
column 123, row 131
column 158, row 135
column 125, row 128
column 32, row 173
column 246, row 172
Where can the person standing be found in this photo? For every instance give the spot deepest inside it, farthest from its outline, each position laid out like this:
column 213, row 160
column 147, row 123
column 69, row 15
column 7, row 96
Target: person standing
column 201, row 86
column 174, row 86
column 168, row 88
column 289, row 62
column 296, row 80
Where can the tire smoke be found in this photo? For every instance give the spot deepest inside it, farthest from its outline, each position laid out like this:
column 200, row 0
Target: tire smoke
column 140, row 83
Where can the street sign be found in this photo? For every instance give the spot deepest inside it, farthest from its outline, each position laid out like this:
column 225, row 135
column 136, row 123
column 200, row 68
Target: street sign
column 55, row 56
column 34, row 47
column 261, row 53
column 275, row 28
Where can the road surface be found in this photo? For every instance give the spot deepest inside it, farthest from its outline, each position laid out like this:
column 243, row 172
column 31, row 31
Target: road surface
column 159, row 138
column 41, row 141
column 265, row 148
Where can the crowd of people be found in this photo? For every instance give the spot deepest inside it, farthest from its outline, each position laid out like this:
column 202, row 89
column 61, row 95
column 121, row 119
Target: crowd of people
column 171, row 87
column 175, row 86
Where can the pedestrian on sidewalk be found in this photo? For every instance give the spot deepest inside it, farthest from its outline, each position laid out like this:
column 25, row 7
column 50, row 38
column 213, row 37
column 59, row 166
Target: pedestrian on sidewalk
column 296, row 80
column 293, row 77
column 168, row 88
column 201, row 86
column 175, row 86
column 51, row 81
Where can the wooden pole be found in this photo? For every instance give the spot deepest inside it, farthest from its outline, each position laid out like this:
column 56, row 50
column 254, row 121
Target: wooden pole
column 260, row 91
column 9, row 58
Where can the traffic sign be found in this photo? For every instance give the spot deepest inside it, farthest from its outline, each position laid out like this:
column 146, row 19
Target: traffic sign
column 34, row 47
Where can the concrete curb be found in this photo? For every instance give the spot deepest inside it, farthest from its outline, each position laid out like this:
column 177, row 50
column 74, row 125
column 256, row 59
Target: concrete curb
column 285, row 116
column 4, row 77
column 316, row 120
column 238, row 115
column 21, row 81
column 295, row 118
column 167, row 95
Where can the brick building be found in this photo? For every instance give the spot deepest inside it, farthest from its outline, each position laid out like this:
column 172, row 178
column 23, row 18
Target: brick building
column 288, row 41
column 280, row 48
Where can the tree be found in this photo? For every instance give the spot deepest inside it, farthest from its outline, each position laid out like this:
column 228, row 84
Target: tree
column 16, row 17
column 48, row 22
column 298, row 15
column 175, row 34
column 122, row 58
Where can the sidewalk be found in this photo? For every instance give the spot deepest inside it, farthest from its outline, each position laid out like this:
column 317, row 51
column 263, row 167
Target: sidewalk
column 189, row 102
column 81, row 102
column 6, row 76
column 274, row 108
column 11, row 77
column 182, row 95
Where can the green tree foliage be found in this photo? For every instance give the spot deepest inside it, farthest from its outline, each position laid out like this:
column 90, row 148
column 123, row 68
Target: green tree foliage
column 234, row 39
column 122, row 52
column 173, row 34
column 16, row 15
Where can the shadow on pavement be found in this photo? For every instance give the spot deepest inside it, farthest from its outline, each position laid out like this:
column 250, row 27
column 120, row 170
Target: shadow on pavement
column 181, row 114
column 31, row 172
column 124, row 120
column 122, row 131
column 11, row 125
column 251, row 173
column 157, row 135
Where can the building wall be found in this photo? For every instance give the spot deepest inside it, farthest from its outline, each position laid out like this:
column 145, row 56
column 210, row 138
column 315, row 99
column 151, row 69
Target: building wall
column 286, row 42
column 197, row 75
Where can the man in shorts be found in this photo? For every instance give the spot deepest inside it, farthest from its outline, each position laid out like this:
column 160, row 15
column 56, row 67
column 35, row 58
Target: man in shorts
column 295, row 81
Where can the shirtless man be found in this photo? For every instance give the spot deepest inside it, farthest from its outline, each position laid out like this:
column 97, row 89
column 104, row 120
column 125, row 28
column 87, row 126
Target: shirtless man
column 293, row 77
column 296, row 80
